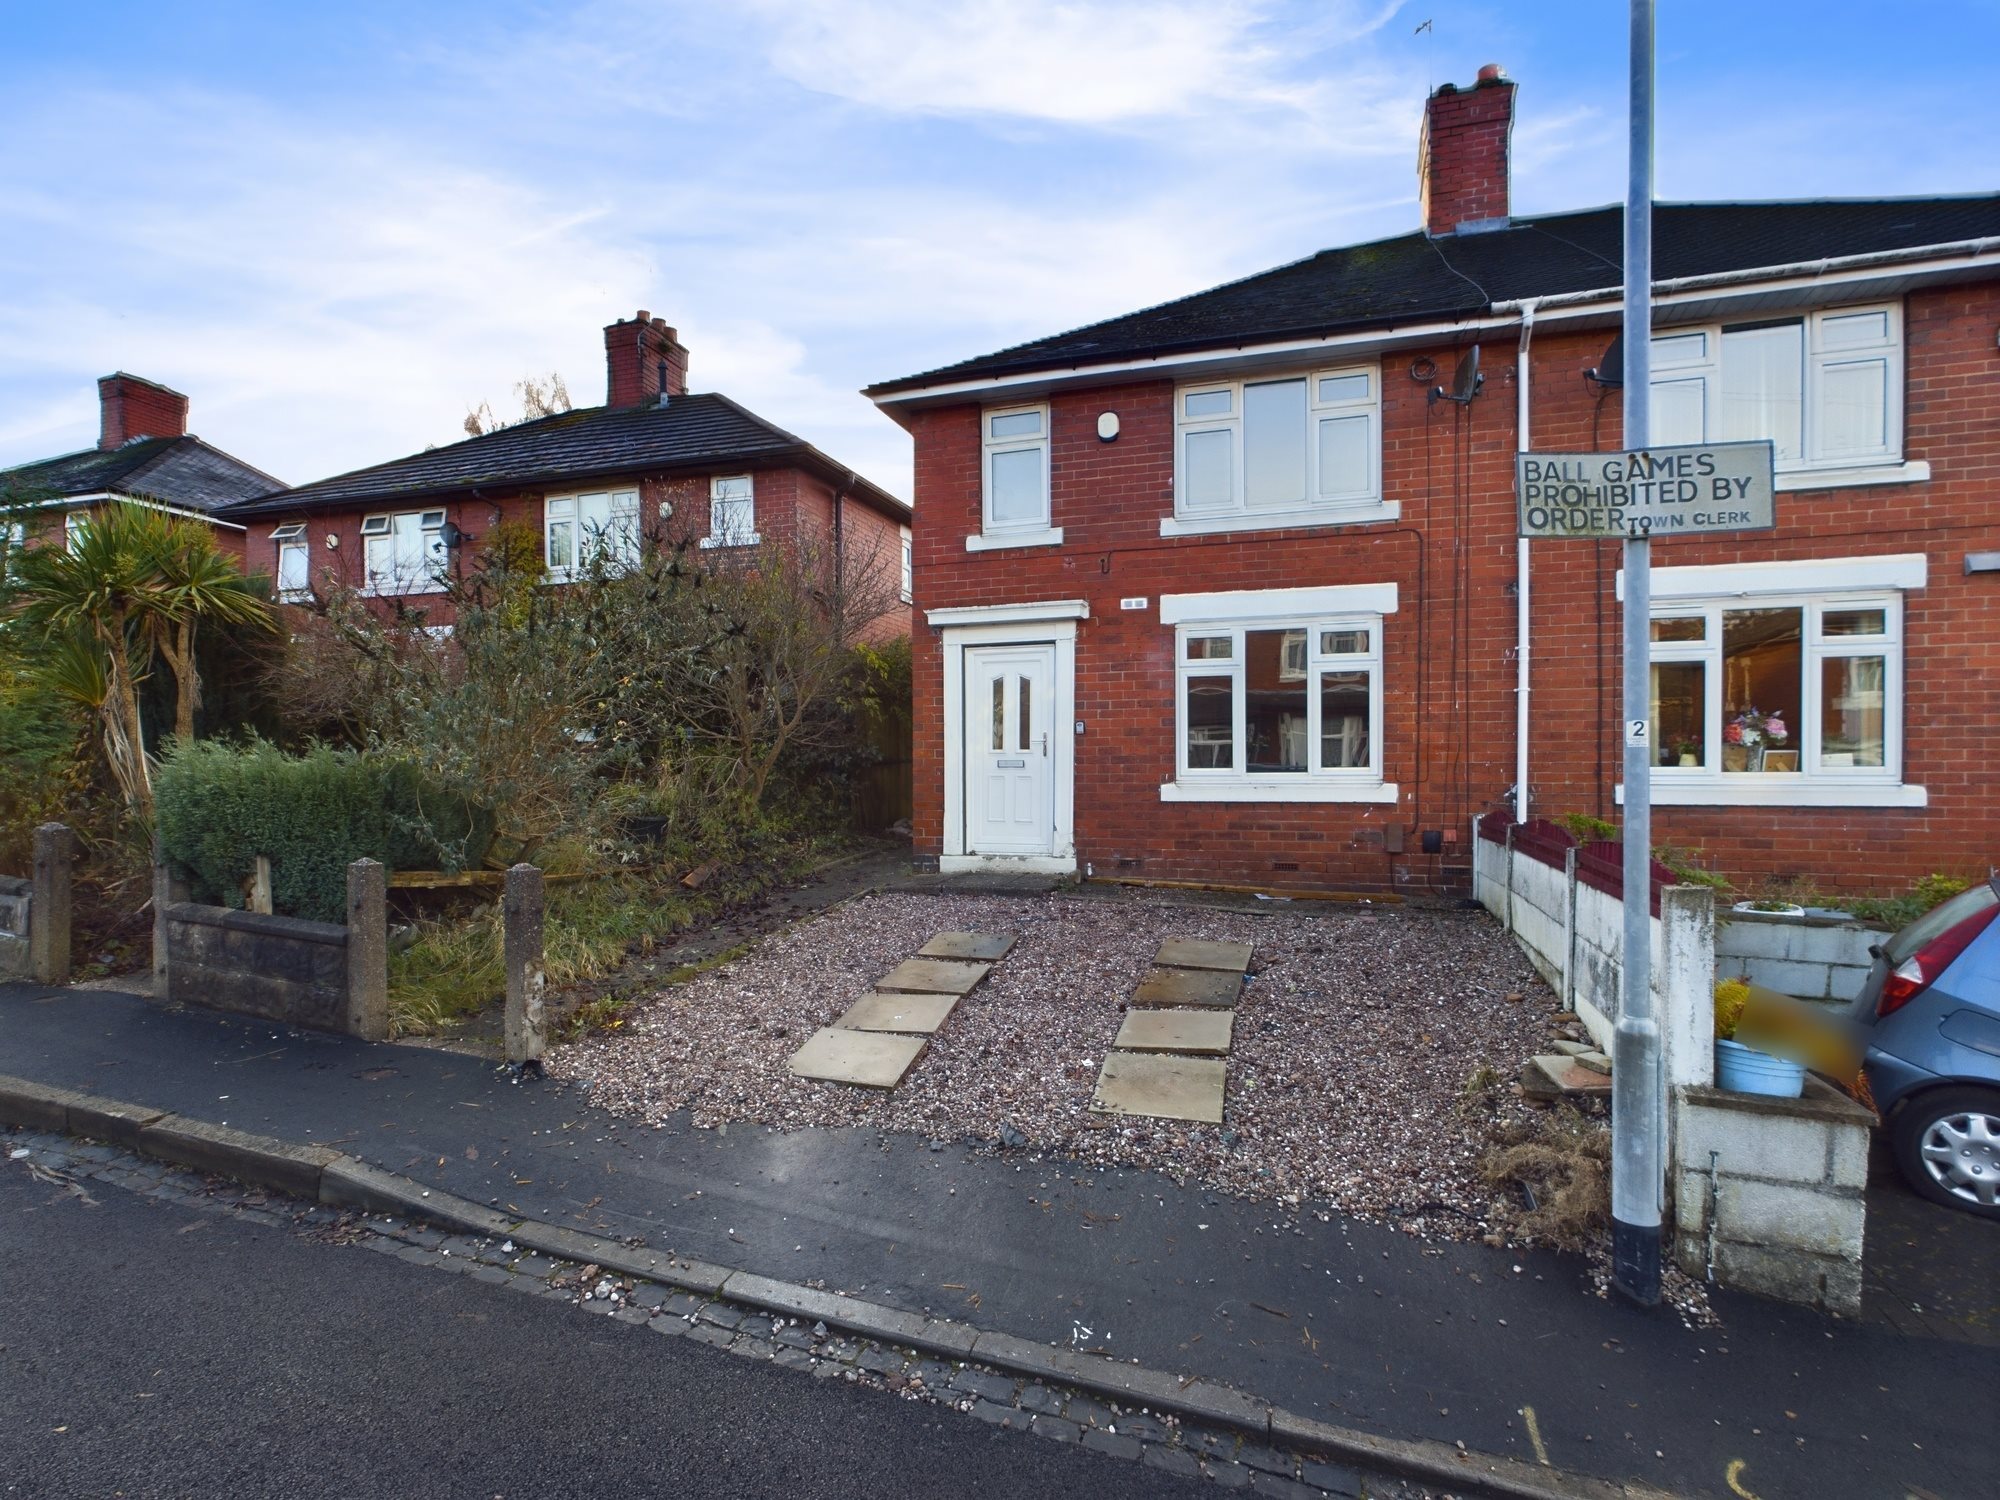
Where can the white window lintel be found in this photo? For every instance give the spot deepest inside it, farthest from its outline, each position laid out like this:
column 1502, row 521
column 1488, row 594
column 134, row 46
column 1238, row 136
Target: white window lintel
column 1250, row 605
column 1010, row 614
column 1806, row 575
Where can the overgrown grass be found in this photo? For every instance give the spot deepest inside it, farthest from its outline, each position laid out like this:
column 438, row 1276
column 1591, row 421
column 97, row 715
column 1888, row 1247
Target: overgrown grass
column 1564, row 1160
column 455, row 967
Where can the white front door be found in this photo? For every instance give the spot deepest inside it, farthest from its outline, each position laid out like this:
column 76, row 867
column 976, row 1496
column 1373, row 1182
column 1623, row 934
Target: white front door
column 1010, row 750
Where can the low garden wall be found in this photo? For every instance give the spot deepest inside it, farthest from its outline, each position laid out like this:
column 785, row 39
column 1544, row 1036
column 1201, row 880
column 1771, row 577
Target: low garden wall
column 35, row 913
column 1813, row 958
column 323, row 975
column 1766, row 1194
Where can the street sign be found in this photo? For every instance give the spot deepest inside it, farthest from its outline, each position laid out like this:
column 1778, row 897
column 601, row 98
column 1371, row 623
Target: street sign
column 1646, row 492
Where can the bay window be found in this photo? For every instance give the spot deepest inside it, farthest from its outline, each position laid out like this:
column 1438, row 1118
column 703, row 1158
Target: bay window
column 584, row 532
column 1298, row 450
column 1780, row 695
column 1825, row 387
column 404, row 553
column 1276, row 708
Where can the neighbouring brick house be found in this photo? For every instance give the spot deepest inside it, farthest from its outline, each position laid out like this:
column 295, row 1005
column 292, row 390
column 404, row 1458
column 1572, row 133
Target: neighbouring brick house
column 654, row 461
column 1221, row 590
column 145, row 455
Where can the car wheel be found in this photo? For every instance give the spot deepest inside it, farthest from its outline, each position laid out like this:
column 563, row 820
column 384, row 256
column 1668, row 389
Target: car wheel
column 1947, row 1144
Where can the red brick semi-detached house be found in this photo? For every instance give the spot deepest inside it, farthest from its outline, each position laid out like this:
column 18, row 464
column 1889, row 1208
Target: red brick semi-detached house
column 653, row 461
column 145, row 456
column 1229, row 589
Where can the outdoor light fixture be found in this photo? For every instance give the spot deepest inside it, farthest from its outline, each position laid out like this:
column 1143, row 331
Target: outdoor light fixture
column 1107, row 427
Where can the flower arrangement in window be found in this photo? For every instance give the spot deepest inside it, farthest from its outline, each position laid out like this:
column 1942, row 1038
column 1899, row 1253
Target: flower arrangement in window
column 1750, row 736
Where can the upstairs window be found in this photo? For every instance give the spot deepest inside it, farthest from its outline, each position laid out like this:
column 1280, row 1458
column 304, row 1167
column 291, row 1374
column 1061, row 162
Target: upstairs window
column 1014, row 460
column 1303, row 448
column 909, row 574
column 582, row 532
column 294, row 561
column 404, row 553
column 1826, row 388
column 732, row 512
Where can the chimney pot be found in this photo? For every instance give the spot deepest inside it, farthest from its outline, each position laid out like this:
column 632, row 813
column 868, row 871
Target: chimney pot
column 1493, row 73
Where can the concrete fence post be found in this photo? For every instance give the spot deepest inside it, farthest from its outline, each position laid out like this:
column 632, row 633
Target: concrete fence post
column 1569, row 928
column 368, row 950
column 1687, row 985
column 167, row 891
column 1509, row 923
column 48, row 917
column 521, row 912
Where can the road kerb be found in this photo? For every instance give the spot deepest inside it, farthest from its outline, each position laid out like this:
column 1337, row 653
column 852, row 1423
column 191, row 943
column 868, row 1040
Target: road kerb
column 344, row 1182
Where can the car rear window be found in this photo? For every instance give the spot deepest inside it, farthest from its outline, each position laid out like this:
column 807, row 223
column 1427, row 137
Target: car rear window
column 1940, row 919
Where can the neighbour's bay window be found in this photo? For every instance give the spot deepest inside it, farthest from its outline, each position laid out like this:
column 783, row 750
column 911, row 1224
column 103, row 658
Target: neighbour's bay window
column 583, row 532
column 1270, row 708
column 1014, row 479
column 294, row 561
column 1826, row 387
column 1779, row 695
column 404, row 553
column 1302, row 450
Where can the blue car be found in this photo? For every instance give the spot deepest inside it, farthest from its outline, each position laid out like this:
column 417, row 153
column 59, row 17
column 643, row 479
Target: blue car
column 1929, row 1016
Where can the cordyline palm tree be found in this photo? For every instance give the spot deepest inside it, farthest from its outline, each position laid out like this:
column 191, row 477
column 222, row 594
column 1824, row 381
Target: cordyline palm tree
column 197, row 583
column 131, row 581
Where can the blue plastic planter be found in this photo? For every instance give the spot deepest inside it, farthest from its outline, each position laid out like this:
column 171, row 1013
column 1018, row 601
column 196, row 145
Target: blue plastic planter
column 1745, row 1070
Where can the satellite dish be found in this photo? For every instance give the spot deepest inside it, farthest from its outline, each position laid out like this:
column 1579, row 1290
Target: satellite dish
column 1610, row 370
column 1465, row 380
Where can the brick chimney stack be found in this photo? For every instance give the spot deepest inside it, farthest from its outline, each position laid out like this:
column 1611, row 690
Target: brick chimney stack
column 644, row 360
column 1462, row 168
column 128, row 408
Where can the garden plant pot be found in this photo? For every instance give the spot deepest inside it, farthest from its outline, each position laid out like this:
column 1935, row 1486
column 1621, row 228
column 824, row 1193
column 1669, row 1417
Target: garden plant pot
column 1745, row 1070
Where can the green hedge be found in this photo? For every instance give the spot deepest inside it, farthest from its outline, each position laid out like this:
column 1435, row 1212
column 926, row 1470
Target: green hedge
column 221, row 806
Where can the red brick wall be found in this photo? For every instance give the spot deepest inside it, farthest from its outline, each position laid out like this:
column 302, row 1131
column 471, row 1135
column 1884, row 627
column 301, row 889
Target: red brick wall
column 1448, row 654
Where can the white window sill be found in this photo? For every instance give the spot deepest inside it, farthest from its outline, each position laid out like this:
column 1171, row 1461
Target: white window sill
column 994, row 541
column 1916, row 471
column 295, row 596
column 1289, row 520
column 402, row 593
column 710, row 543
column 1269, row 789
column 1779, row 789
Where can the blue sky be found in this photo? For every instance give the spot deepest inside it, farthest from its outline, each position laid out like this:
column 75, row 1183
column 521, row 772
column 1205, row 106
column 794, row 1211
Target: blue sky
column 338, row 227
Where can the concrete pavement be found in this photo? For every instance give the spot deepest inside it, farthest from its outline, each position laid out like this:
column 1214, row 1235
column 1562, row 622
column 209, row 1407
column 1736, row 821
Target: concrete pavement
column 1356, row 1324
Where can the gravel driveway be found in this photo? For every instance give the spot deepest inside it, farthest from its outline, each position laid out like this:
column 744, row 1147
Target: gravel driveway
column 1354, row 1040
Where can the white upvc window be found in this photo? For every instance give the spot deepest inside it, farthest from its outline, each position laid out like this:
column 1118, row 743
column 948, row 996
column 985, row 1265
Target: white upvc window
column 581, row 532
column 405, row 552
column 294, row 561
column 76, row 525
column 1014, row 468
column 909, row 571
column 1274, row 709
column 1825, row 387
column 1298, row 450
column 732, row 512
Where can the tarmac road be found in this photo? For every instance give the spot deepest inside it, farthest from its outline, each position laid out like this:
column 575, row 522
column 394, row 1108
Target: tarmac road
column 149, row 1351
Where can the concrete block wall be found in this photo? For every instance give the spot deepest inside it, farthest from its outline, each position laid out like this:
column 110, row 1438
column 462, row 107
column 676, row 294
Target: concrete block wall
column 17, row 899
column 1813, row 958
column 1772, row 1190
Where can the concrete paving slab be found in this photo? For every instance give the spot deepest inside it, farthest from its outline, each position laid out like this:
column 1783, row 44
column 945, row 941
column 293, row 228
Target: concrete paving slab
column 933, row 976
column 988, row 947
column 1553, row 1075
column 1196, row 953
column 1204, row 987
column 918, row 1015
column 867, row 1058
column 1182, row 1030
column 1161, row 1086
